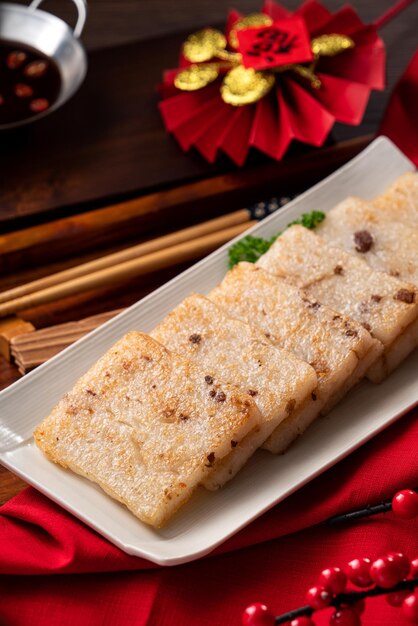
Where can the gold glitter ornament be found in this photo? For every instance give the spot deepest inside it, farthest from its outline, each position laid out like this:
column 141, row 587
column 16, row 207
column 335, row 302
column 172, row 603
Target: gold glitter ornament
column 203, row 45
column 309, row 74
column 331, row 45
column 196, row 77
column 304, row 71
column 245, row 86
column 242, row 85
column 233, row 57
column 249, row 21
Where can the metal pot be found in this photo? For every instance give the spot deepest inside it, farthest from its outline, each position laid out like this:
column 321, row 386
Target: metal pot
column 52, row 37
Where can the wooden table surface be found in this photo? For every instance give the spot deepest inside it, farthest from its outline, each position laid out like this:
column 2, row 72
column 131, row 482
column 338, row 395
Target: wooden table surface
column 108, row 141
column 115, row 28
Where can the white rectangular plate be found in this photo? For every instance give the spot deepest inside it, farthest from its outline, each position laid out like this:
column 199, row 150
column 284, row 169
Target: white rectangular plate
column 209, row 518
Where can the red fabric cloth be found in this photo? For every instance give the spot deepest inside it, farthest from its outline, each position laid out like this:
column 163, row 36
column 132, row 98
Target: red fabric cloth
column 400, row 120
column 54, row 570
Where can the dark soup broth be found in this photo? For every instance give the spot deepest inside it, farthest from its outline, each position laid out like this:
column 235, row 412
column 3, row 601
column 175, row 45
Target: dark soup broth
column 30, row 82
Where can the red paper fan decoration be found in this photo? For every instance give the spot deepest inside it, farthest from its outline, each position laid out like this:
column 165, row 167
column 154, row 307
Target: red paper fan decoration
column 271, row 78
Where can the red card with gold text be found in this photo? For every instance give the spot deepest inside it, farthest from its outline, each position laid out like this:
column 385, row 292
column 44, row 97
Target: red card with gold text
column 283, row 42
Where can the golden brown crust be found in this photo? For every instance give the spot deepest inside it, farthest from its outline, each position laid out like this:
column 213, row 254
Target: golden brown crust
column 394, row 244
column 142, row 424
column 379, row 302
column 400, row 200
column 332, row 343
column 230, row 350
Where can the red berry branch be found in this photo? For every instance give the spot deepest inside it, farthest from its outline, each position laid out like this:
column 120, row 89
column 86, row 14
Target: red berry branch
column 393, row 575
column 348, row 605
column 404, row 505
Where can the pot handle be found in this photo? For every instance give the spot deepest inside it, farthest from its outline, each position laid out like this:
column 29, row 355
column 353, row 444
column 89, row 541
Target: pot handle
column 81, row 9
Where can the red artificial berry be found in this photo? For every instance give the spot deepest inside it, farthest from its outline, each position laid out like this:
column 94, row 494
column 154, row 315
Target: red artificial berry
column 410, row 607
column 385, row 572
column 38, row 105
column 318, row 597
column 257, row 614
column 15, row 59
column 333, row 579
column 396, row 598
column 345, row 617
column 302, row 621
column 405, row 504
column 36, row 69
column 358, row 572
column 402, row 562
column 414, row 568
column 23, row 91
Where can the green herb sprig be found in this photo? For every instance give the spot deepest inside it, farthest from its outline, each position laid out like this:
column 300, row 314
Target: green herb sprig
column 251, row 248
column 309, row 220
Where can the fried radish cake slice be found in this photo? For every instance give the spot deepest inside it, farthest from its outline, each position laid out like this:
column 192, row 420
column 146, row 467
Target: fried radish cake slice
column 383, row 304
column 230, row 350
column 385, row 244
column 400, row 201
column 143, row 424
column 336, row 347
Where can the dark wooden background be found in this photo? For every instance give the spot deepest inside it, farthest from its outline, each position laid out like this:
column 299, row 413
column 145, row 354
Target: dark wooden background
column 113, row 22
column 108, row 142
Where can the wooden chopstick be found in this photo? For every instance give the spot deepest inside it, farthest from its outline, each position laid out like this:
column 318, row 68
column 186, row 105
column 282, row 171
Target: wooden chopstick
column 182, row 251
column 142, row 249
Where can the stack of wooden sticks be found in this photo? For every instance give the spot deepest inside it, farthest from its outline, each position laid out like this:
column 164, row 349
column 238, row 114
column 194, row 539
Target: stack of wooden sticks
column 34, row 348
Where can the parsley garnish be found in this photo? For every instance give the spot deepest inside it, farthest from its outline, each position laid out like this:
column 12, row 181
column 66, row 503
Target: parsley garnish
column 251, row 248
column 309, row 220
